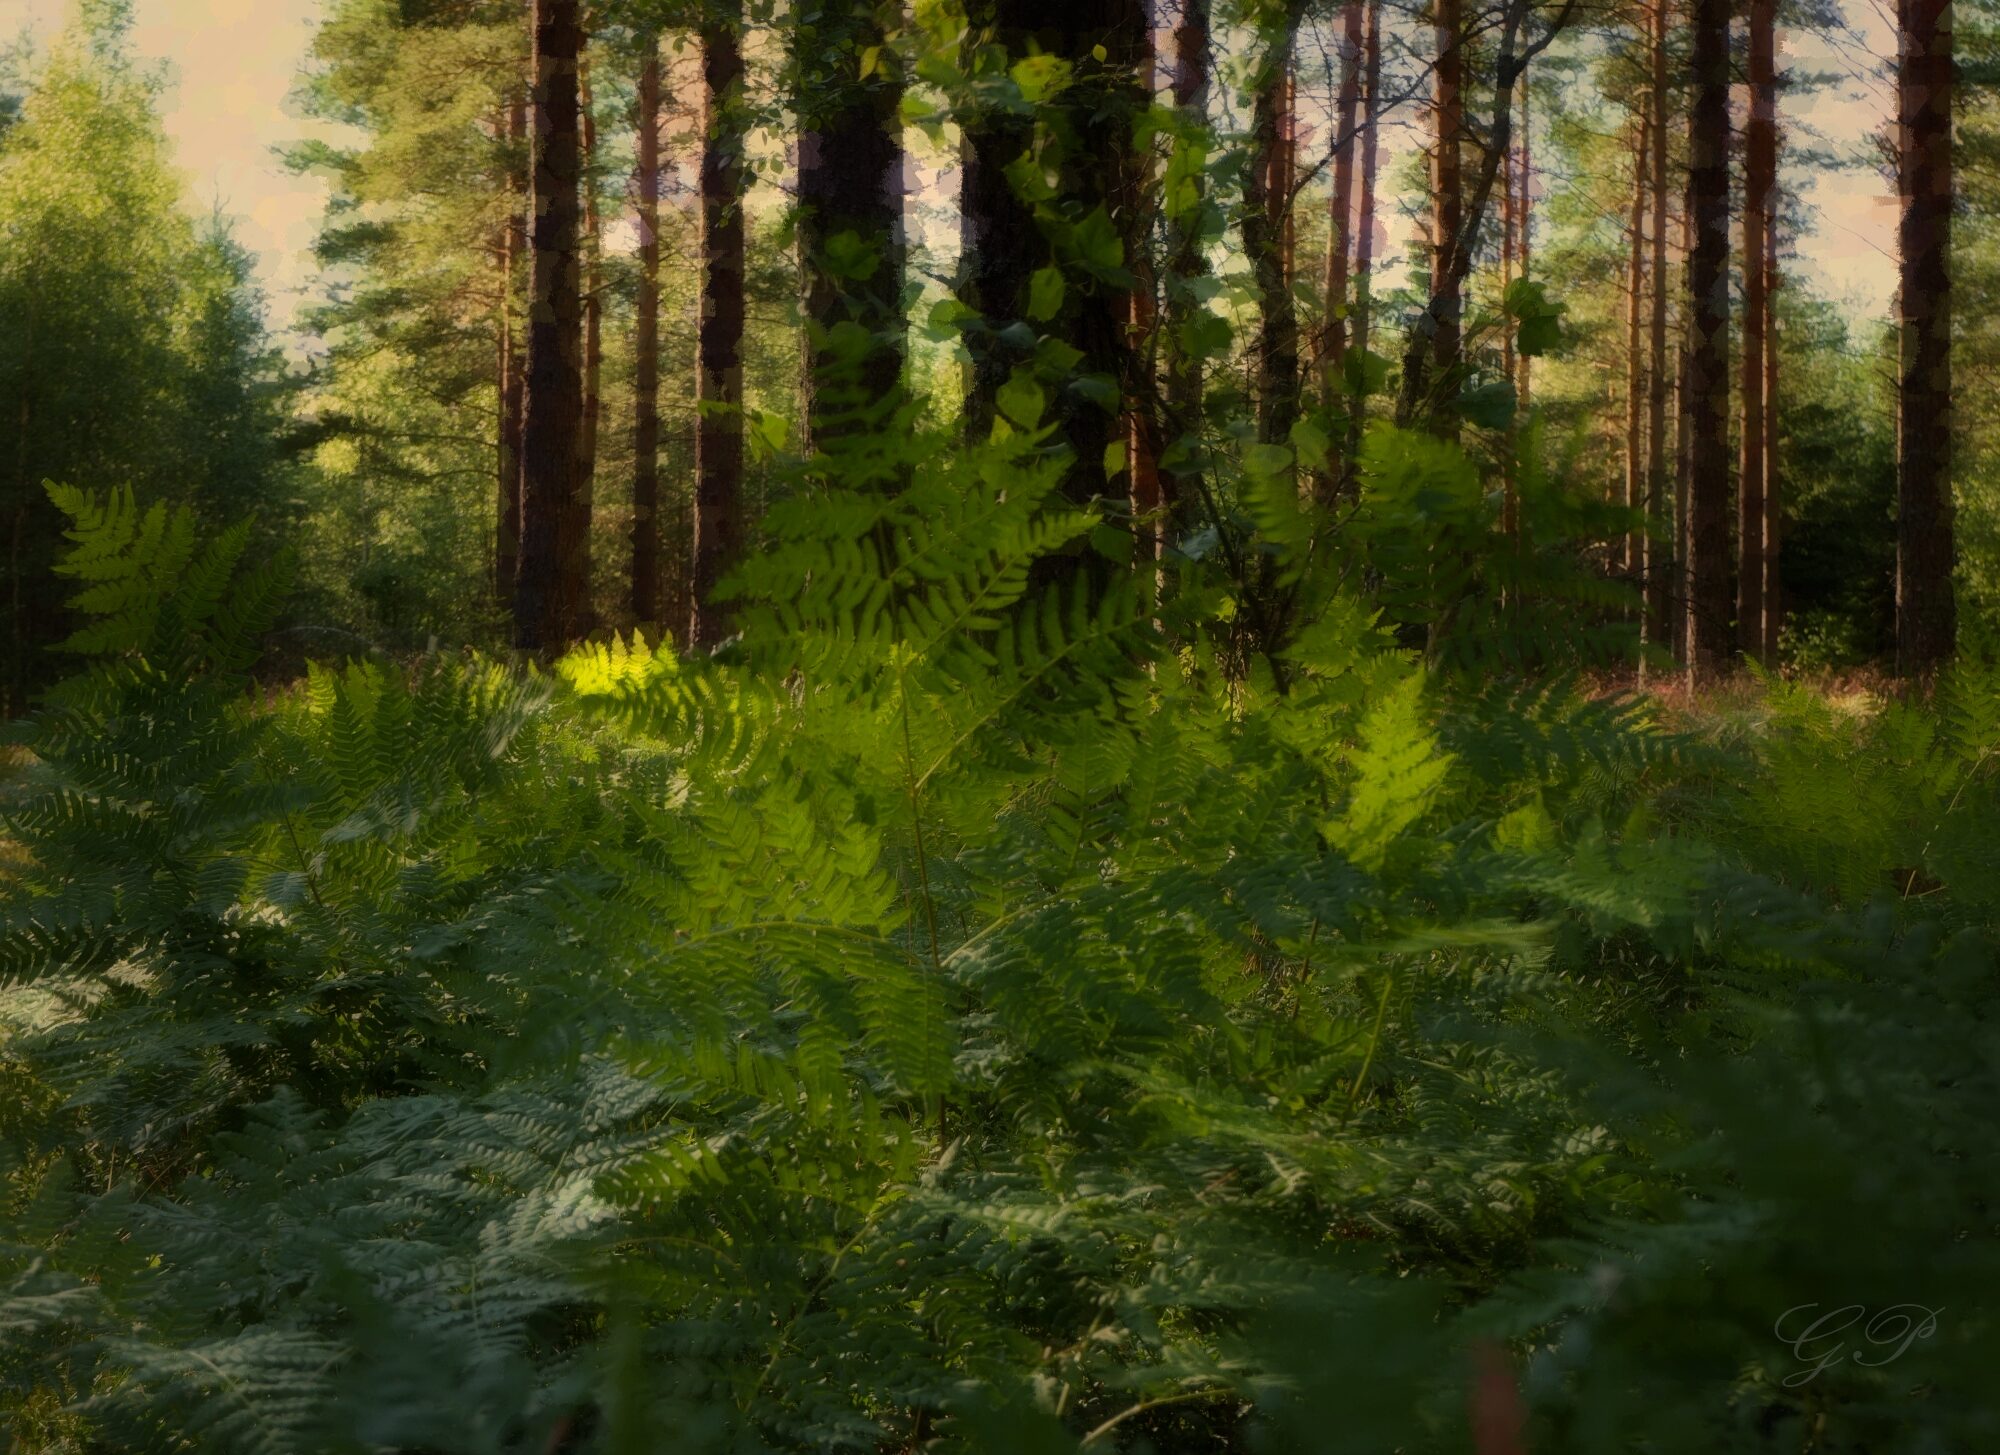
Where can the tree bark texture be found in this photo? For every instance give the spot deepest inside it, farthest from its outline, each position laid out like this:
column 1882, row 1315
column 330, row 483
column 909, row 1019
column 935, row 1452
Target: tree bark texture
column 1088, row 133
column 1661, row 555
column 646, row 602
column 850, row 228
column 718, row 448
column 1926, row 615
column 1708, row 363
column 1760, row 180
column 547, row 596
column 512, row 384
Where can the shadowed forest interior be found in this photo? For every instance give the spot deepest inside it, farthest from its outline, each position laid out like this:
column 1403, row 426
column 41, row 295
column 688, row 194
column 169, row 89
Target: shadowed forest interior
column 978, row 725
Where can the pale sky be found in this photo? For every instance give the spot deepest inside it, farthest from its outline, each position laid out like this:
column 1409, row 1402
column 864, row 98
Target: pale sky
column 234, row 63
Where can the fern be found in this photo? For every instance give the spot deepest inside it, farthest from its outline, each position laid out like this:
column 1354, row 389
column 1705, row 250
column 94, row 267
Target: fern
column 966, row 1012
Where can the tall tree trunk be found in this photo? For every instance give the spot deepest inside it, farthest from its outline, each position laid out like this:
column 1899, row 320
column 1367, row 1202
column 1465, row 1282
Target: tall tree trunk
column 850, row 229
column 1440, row 315
column 513, row 250
column 1267, row 226
column 1684, row 429
column 1774, row 600
column 1661, row 556
column 1447, row 194
column 1760, row 179
column 1510, row 234
column 1926, row 613
column 1708, row 371
column 1509, row 245
column 718, row 447
column 1524, row 243
column 646, row 601
column 1186, row 261
column 1632, row 554
column 1141, row 378
column 1105, row 43
column 1340, row 214
column 1364, row 223
column 552, row 427
column 577, row 543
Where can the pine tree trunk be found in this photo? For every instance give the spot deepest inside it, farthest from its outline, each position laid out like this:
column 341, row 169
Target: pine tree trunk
column 1926, row 616
column 646, row 603
column 1774, row 601
column 718, row 449
column 1631, row 555
column 850, row 182
column 1684, row 431
column 1661, row 556
column 1510, row 491
column 1708, row 364
column 513, row 250
column 1185, row 261
column 1105, row 43
column 1760, row 178
column 1141, row 382
column 551, row 434
column 577, row 543
column 1267, row 226
column 1447, row 198
column 1340, row 215
column 1364, row 224
column 1456, row 217
column 1524, row 224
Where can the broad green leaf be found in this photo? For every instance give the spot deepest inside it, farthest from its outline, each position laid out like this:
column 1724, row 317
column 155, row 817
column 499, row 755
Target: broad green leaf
column 1045, row 294
column 1266, row 460
column 1538, row 319
column 1312, row 443
column 1489, row 405
column 1021, row 400
column 1099, row 247
column 1039, row 77
column 1365, row 371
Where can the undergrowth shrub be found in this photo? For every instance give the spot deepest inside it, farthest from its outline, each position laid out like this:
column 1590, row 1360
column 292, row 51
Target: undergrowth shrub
column 963, row 1016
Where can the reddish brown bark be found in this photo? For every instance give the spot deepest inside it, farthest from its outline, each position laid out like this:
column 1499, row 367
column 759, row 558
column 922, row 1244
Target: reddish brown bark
column 1658, row 545
column 1631, row 556
column 546, row 595
column 1926, row 613
column 1340, row 211
column 1003, row 244
column 718, row 448
column 645, row 603
column 1524, row 242
column 1364, row 227
column 512, row 385
column 1185, row 261
column 850, row 189
column 577, row 524
column 1760, row 178
column 1684, row 433
column 1774, row 599
column 1267, row 227
column 1447, row 190
column 1708, row 364
column 1142, row 417
column 1454, row 254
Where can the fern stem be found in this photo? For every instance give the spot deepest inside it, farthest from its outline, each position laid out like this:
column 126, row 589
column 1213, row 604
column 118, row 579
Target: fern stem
column 1144, row 1405
column 1374, row 1041
column 923, row 865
